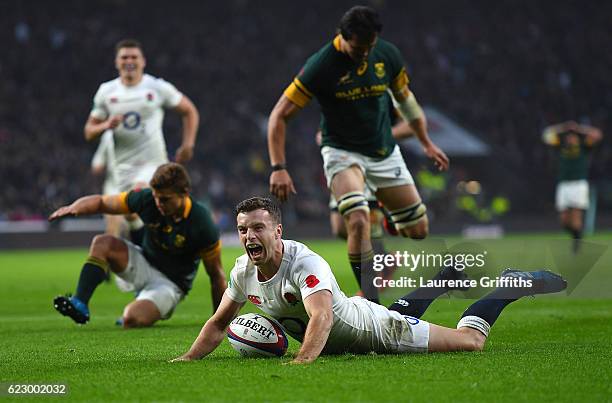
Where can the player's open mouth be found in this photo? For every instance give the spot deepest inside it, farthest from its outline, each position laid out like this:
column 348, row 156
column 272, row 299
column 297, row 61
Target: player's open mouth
column 255, row 251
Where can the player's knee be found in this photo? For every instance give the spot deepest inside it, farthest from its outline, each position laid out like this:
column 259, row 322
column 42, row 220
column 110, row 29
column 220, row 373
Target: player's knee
column 411, row 221
column 353, row 206
column 102, row 245
column 358, row 222
column 418, row 231
column 133, row 319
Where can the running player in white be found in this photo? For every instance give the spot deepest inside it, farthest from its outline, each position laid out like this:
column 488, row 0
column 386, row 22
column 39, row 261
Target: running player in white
column 132, row 106
column 102, row 166
column 296, row 286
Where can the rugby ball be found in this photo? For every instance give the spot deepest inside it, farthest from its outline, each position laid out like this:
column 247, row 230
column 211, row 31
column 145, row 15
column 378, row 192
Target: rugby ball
column 254, row 335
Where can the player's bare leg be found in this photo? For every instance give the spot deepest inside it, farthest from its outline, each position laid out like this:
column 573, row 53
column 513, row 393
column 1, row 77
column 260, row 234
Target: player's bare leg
column 140, row 313
column 338, row 229
column 400, row 198
column 106, row 253
column 111, row 250
column 572, row 221
column 443, row 339
column 114, row 251
column 337, row 225
column 476, row 322
column 347, row 187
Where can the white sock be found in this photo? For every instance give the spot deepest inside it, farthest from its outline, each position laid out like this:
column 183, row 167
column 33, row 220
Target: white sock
column 475, row 322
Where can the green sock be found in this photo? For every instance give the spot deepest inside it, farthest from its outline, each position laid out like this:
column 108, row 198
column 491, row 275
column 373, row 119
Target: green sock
column 92, row 274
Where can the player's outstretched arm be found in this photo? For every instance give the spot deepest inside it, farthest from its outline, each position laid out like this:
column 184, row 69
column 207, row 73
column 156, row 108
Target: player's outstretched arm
column 95, row 127
column 93, row 204
column 319, row 308
column 281, row 184
column 213, row 332
column 412, row 112
column 191, row 122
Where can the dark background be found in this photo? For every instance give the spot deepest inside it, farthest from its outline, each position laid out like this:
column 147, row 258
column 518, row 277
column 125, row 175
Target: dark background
column 503, row 70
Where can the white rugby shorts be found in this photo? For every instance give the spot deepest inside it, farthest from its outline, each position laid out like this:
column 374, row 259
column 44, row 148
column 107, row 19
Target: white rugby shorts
column 398, row 333
column 150, row 283
column 572, row 194
column 130, row 175
column 384, row 173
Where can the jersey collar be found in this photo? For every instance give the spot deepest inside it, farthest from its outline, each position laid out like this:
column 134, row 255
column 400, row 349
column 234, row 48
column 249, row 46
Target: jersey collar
column 188, row 205
column 336, row 43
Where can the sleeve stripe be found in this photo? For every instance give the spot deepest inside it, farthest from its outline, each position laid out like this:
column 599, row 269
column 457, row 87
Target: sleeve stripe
column 296, row 95
column 211, row 251
column 302, row 87
column 123, row 200
column 400, row 81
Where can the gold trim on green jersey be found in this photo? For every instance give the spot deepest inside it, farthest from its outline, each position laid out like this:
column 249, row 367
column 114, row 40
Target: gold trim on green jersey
column 123, row 200
column 400, row 81
column 211, row 251
column 188, row 205
column 298, row 93
column 336, row 43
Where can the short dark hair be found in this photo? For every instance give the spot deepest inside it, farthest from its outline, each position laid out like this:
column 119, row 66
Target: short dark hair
column 263, row 203
column 128, row 43
column 171, row 176
column 360, row 21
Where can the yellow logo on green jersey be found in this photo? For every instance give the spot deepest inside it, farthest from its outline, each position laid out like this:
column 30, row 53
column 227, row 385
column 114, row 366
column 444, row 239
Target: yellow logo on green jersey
column 362, row 69
column 379, row 69
column 179, row 241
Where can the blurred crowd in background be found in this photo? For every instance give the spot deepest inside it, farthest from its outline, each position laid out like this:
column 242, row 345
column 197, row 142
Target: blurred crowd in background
column 503, row 70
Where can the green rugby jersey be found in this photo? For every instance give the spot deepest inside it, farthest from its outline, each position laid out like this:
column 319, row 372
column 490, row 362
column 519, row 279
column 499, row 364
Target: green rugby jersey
column 352, row 96
column 174, row 248
column 574, row 149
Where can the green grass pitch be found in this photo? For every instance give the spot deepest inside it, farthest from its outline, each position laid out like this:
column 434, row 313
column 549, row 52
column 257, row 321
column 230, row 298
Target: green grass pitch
column 542, row 349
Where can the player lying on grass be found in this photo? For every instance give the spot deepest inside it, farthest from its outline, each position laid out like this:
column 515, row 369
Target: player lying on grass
column 296, row 286
column 179, row 232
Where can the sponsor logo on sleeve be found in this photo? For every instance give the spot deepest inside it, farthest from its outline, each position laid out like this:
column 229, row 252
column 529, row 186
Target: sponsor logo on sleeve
column 312, row 281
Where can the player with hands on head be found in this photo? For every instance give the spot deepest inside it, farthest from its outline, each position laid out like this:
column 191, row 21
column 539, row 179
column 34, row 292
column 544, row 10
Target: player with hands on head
column 574, row 143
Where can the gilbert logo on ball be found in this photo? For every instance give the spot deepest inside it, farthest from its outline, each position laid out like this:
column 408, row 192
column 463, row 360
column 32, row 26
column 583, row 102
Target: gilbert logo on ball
column 254, row 335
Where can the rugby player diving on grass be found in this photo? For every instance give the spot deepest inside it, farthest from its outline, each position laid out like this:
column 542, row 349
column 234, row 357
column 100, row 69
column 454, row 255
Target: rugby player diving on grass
column 296, row 287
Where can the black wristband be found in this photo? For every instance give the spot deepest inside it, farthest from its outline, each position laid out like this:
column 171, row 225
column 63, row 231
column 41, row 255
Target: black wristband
column 278, row 167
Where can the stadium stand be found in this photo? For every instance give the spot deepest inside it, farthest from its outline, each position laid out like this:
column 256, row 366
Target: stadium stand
column 504, row 70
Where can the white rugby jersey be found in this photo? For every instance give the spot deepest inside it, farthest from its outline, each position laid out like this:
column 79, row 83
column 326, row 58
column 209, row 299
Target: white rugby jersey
column 138, row 139
column 358, row 324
